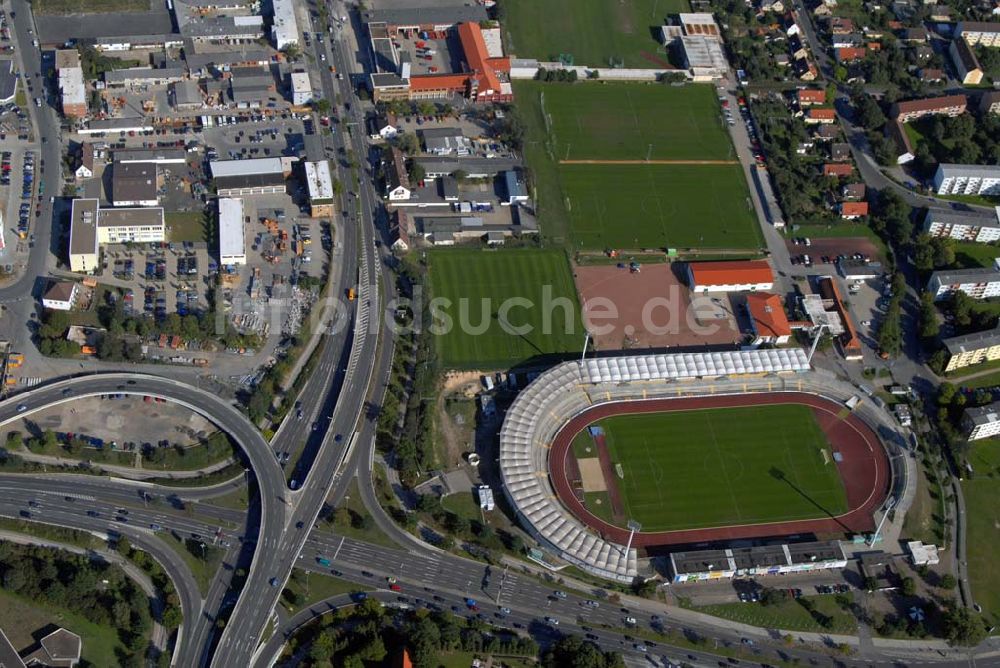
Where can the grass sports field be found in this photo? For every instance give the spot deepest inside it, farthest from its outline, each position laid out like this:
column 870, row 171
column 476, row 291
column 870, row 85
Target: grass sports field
column 655, row 206
column 619, row 121
column 592, row 31
column 596, row 206
column 724, row 467
column 473, row 275
column 982, row 503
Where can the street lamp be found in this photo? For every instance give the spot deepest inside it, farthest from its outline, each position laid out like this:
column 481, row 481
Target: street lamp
column 633, row 527
column 888, row 506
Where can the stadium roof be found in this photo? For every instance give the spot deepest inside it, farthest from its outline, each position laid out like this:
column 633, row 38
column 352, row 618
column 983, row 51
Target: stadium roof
column 731, row 272
column 693, row 365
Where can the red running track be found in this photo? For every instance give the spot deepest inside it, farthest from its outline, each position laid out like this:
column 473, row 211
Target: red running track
column 864, row 469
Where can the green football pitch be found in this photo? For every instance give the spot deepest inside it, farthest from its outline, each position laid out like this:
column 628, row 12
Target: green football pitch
column 468, row 330
column 724, row 467
column 592, row 31
column 635, row 121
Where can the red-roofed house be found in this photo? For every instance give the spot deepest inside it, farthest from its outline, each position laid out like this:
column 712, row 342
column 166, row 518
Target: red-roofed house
column 849, row 54
column 730, row 276
column 768, row 319
column 807, row 96
column 825, row 116
column 853, row 210
column 837, row 169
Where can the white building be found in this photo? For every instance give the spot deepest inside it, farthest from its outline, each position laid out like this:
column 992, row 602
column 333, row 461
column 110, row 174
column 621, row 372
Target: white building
column 91, row 226
column 72, row 88
column 232, row 234
column 730, row 276
column 982, row 283
column 257, row 176
column 302, row 92
column 967, row 179
column 319, row 183
column 982, row 421
column 977, row 32
column 704, row 57
column 962, row 226
column 61, row 296
column 285, row 30
column 486, row 501
column 923, row 555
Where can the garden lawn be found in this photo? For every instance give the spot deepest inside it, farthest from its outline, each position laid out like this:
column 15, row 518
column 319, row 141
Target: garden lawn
column 766, row 464
column 592, row 31
column 468, row 330
column 790, row 615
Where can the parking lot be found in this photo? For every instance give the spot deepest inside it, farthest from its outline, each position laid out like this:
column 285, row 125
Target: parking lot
column 825, row 251
column 17, row 183
column 867, row 300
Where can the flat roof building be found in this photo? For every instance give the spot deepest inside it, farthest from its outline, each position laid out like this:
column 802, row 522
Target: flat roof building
column 151, row 156
column 704, row 56
column 446, row 141
column 951, row 179
column 756, row 560
column 978, row 283
column 232, row 232
column 134, row 184
column 982, row 421
column 285, row 29
column 319, row 183
column 83, row 248
column 474, row 168
column 72, row 88
column 302, row 92
column 258, row 176
column 425, row 18
column 8, row 81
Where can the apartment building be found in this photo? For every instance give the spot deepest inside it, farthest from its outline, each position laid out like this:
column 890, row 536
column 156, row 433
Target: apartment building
column 979, row 32
column 953, row 179
column 982, row 421
column 962, row 226
column 91, row 226
column 967, row 66
column 980, row 283
column 947, row 105
column 972, row 349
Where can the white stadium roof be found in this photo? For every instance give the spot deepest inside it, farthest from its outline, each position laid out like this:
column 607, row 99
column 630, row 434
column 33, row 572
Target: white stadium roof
column 693, row 365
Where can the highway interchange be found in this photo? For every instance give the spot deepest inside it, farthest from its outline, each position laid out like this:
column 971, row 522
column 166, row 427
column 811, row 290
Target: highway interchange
column 277, row 534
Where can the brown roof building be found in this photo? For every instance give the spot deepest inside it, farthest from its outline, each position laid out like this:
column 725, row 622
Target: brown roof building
column 947, row 105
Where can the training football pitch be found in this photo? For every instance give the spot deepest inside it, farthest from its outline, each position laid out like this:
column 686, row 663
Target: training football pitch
column 724, row 467
column 519, row 278
column 656, row 206
column 635, row 121
column 593, row 31
column 703, row 203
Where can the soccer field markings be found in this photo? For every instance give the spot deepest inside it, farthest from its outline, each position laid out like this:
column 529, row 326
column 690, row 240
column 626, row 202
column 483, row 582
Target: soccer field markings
column 722, row 463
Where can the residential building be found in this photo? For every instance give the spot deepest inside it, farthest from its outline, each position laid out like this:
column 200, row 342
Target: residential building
column 134, row 184
column 854, row 191
column 8, row 81
column 808, row 96
column 850, row 54
column 730, row 276
column 825, row 116
column 91, row 226
column 947, row 105
column 61, row 296
column 953, row 179
column 445, row 141
column 151, row 156
column 383, row 127
column 840, row 152
column 853, row 210
column 85, row 170
column 978, row 283
column 962, row 226
column 989, row 102
column 982, row 421
column 837, row 169
column 59, row 649
column 760, row 560
column 970, row 349
column 144, row 76
column 397, row 179
column 232, row 232
column 841, row 26
column 901, row 140
column 285, row 28
column 399, row 230
column 931, row 75
column 767, row 319
column 977, row 32
column 301, row 87
column 72, row 88
column 967, row 66
column 916, row 35
column 319, row 183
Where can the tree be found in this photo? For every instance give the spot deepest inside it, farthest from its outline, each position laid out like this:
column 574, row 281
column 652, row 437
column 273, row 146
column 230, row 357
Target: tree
column 291, row 51
column 929, row 325
column 407, row 143
column 948, row 581
column 321, row 106
column 772, row 596
column 908, row 586
column 323, row 646
column 962, row 627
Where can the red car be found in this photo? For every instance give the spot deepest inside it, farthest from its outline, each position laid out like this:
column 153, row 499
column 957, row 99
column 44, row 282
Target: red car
column 395, row 587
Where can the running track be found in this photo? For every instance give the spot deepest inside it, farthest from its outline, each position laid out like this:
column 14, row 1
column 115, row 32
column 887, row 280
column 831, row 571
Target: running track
column 864, row 469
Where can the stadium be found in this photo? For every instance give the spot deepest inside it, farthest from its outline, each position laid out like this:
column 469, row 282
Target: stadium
column 694, row 449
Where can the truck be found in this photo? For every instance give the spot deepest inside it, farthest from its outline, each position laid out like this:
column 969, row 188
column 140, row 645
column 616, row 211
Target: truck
column 323, row 561
column 351, row 294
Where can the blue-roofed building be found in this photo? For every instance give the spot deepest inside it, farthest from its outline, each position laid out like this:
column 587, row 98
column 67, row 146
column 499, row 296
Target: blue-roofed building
column 514, row 187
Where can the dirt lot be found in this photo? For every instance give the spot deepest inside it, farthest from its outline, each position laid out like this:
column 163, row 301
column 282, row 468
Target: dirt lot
column 650, row 309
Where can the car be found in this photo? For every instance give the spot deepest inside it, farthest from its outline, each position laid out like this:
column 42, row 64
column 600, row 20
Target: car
column 93, row 513
column 630, row 621
column 505, row 611
column 639, row 647
column 68, row 391
column 273, row 582
column 591, row 603
column 155, row 527
column 560, row 594
column 395, row 587
column 22, row 407
column 552, row 620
